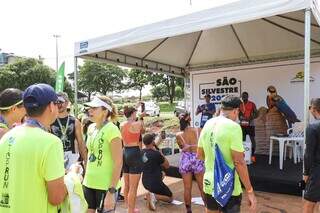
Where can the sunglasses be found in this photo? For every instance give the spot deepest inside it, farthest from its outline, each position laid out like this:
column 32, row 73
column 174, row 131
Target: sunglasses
column 57, row 102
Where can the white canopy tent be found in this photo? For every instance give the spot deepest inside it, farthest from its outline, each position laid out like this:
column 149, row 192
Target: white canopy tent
column 244, row 32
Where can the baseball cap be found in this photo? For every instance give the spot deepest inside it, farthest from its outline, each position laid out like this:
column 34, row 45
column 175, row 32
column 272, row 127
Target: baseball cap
column 38, row 95
column 61, row 99
column 97, row 102
column 63, row 96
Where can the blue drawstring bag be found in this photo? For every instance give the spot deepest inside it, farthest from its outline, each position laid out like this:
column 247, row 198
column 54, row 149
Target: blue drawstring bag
column 223, row 179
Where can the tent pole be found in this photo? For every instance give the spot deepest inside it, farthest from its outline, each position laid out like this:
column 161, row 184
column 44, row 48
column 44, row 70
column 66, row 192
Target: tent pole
column 76, row 86
column 306, row 69
column 186, row 91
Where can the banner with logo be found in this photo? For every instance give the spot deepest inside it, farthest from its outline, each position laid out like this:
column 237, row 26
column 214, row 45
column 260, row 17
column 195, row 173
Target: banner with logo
column 287, row 77
column 60, row 78
column 220, row 88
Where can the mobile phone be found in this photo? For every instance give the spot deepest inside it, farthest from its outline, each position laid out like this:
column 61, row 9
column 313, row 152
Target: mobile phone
column 163, row 134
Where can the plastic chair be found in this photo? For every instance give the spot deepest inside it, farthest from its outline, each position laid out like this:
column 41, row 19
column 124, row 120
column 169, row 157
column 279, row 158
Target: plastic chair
column 296, row 131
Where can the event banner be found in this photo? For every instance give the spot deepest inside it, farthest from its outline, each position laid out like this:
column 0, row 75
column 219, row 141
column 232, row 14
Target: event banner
column 60, row 78
column 220, row 88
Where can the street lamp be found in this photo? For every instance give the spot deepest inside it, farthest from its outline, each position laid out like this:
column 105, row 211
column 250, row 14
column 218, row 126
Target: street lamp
column 57, row 56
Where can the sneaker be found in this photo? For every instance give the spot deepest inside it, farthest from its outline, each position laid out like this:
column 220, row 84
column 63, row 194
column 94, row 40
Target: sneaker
column 120, row 197
column 151, row 201
column 253, row 159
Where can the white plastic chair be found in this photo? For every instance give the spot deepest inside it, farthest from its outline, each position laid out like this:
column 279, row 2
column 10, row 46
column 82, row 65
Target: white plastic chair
column 295, row 144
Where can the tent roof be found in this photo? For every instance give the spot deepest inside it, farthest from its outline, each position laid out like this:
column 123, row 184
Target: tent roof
column 243, row 32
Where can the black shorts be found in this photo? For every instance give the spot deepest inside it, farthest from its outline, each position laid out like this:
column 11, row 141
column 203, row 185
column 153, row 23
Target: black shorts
column 132, row 160
column 93, row 197
column 247, row 130
column 233, row 205
column 312, row 190
column 156, row 186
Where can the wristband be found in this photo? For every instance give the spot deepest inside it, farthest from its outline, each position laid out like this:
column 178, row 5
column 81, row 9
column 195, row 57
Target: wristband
column 112, row 190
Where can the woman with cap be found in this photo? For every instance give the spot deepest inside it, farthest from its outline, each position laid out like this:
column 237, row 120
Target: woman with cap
column 12, row 110
column 152, row 179
column 132, row 159
column 104, row 156
column 189, row 165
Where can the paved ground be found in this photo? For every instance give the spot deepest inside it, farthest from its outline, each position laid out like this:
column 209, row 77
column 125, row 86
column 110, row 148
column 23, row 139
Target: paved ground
column 267, row 202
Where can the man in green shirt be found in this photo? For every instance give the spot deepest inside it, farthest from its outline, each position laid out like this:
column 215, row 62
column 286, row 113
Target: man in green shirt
column 31, row 159
column 224, row 131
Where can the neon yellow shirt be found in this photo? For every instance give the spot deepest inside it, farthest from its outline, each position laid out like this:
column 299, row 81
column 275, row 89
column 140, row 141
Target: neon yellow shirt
column 228, row 135
column 29, row 157
column 3, row 129
column 99, row 172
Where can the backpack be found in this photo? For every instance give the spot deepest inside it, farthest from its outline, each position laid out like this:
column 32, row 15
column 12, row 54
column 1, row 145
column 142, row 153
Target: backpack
column 223, row 179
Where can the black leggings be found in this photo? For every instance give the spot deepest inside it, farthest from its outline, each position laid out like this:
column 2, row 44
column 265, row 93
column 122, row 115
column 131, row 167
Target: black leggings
column 93, row 197
column 156, row 186
column 132, row 160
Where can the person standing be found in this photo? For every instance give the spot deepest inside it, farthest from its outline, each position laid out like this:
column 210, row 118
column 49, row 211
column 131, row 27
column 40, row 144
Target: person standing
column 12, row 110
column 104, row 157
column 189, row 165
column 131, row 131
column 274, row 100
column 226, row 133
column 207, row 110
column 311, row 173
column 31, row 159
column 68, row 129
column 152, row 178
column 248, row 112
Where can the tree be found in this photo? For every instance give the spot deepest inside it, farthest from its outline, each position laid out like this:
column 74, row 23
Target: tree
column 159, row 92
column 168, row 81
column 27, row 71
column 100, row 77
column 137, row 80
column 179, row 92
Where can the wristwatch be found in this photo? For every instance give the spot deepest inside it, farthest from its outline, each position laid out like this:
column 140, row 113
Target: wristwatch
column 112, row 190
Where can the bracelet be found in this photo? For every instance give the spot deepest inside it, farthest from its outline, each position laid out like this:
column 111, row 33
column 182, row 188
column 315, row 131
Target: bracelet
column 250, row 190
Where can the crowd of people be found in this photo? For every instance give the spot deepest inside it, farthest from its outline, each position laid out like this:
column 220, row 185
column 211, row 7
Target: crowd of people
column 41, row 142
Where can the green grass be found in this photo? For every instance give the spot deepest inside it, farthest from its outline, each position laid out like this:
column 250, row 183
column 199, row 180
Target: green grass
column 167, row 107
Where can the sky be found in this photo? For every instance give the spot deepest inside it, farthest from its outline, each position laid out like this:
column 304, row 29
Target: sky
column 27, row 26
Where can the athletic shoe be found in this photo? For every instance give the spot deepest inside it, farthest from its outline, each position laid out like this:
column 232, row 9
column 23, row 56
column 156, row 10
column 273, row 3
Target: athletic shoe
column 120, row 197
column 151, row 201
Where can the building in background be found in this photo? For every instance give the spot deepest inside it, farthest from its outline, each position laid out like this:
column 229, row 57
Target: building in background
column 7, row 58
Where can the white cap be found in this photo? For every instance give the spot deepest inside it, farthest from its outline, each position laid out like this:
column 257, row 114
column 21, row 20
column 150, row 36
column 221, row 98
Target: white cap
column 97, row 102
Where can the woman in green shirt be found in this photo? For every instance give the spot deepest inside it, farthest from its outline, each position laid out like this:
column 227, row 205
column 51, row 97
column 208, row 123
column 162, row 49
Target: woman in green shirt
column 11, row 109
column 104, row 156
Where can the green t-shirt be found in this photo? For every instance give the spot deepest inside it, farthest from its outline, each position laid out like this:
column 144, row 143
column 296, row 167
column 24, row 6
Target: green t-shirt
column 228, row 135
column 99, row 172
column 29, row 157
column 3, row 129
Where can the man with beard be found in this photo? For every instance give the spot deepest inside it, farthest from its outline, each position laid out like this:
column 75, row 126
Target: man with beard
column 68, row 129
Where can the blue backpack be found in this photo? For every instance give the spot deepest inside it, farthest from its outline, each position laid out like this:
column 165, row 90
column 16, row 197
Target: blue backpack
column 223, row 179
